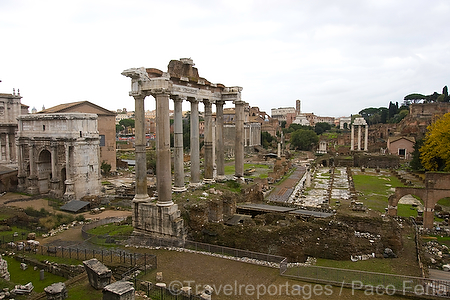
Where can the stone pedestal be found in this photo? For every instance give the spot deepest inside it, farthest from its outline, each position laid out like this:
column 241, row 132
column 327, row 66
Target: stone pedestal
column 160, row 221
column 69, row 195
column 55, row 191
column 119, row 290
column 56, row 291
column 33, row 188
column 98, row 274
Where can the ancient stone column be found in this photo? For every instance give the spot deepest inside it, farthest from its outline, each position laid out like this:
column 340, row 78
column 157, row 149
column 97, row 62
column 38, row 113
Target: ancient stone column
column 366, row 138
column 352, row 138
column 140, row 150
column 69, row 184
column 359, row 137
column 195, row 143
column 33, row 189
column 220, row 154
column 239, row 140
column 178, row 162
column 8, row 154
column 55, row 189
column 21, row 175
column 208, row 138
column 163, row 165
column 54, row 160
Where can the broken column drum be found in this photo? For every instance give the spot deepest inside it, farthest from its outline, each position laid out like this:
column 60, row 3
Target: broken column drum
column 181, row 81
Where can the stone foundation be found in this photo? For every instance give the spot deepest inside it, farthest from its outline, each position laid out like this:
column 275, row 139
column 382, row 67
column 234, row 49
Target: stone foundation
column 158, row 221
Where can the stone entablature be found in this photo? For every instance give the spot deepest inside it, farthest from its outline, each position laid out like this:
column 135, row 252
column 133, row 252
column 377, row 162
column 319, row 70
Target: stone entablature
column 59, row 154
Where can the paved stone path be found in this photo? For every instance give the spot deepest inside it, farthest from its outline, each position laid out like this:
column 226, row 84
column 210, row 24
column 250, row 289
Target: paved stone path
column 282, row 191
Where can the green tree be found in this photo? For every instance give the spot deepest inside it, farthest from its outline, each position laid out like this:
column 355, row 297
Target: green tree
column 415, row 163
column 127, row 123
column 105, row 167
column 435, row 154
column 187, row 132
column 392, row 110
column 266, row 139
column 151, row 160
column 415, row 98
column 119, row 128
column 321, row 127
column 304, row 139
column 400, row 116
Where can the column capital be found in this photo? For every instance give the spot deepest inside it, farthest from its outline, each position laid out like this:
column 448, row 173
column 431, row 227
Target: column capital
column 220, row 102
column 238, row 102
column 139, row 96
column 178, row 98
column 193, row 100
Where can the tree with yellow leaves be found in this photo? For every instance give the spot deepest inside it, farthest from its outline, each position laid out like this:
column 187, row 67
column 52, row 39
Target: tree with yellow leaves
column 435, row 152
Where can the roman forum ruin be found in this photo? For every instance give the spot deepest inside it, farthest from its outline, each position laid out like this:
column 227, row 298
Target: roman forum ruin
column 58, row 154
column 180, row 83
column 359, row 122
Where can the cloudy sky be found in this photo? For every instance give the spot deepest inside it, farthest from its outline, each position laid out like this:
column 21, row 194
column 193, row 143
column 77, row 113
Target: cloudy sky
column 337, row 57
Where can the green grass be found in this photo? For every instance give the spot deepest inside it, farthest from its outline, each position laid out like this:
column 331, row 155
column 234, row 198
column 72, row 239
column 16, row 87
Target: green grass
column 444, row 202
column 112, row 229
column 83, row 291
column 7, row 236
column 375, row 190
column 370, row 265
column 261, row 170
column 406, row 210
column 19, row 276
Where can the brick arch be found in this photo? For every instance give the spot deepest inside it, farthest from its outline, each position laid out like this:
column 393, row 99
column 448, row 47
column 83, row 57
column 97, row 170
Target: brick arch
column 437, row 186
column 403, row 191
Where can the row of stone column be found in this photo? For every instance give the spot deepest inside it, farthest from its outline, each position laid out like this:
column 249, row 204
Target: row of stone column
column 352, row 138
column 163, row 169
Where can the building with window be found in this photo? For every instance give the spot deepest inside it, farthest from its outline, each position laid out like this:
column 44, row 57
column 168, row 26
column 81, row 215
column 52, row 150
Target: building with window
column 10, row 108
column 401, row 145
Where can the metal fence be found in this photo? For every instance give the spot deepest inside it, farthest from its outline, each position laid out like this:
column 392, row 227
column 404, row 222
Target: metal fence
column 106, row 256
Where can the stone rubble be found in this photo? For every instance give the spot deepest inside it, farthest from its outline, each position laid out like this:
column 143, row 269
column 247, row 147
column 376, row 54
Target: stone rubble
column 240, row 259
column 4, row 274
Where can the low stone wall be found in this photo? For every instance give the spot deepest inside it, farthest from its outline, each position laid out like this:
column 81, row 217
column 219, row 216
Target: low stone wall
column 63, row 270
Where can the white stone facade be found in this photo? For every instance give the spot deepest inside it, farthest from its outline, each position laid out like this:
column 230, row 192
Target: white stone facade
column 59, row 154
column 10, row 109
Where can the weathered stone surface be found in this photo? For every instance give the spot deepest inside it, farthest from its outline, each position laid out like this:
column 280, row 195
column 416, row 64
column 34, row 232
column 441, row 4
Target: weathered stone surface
column 4, row 269
column 119, row 290
column 54, row 147
column 56, row 291
column 98, row 274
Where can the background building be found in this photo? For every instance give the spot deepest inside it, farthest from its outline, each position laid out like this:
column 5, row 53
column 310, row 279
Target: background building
column 106, row 126
column 10, row 108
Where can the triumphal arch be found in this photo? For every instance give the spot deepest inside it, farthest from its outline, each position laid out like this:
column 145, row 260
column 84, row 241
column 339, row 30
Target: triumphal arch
column 180, row 83
column 58, row 154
